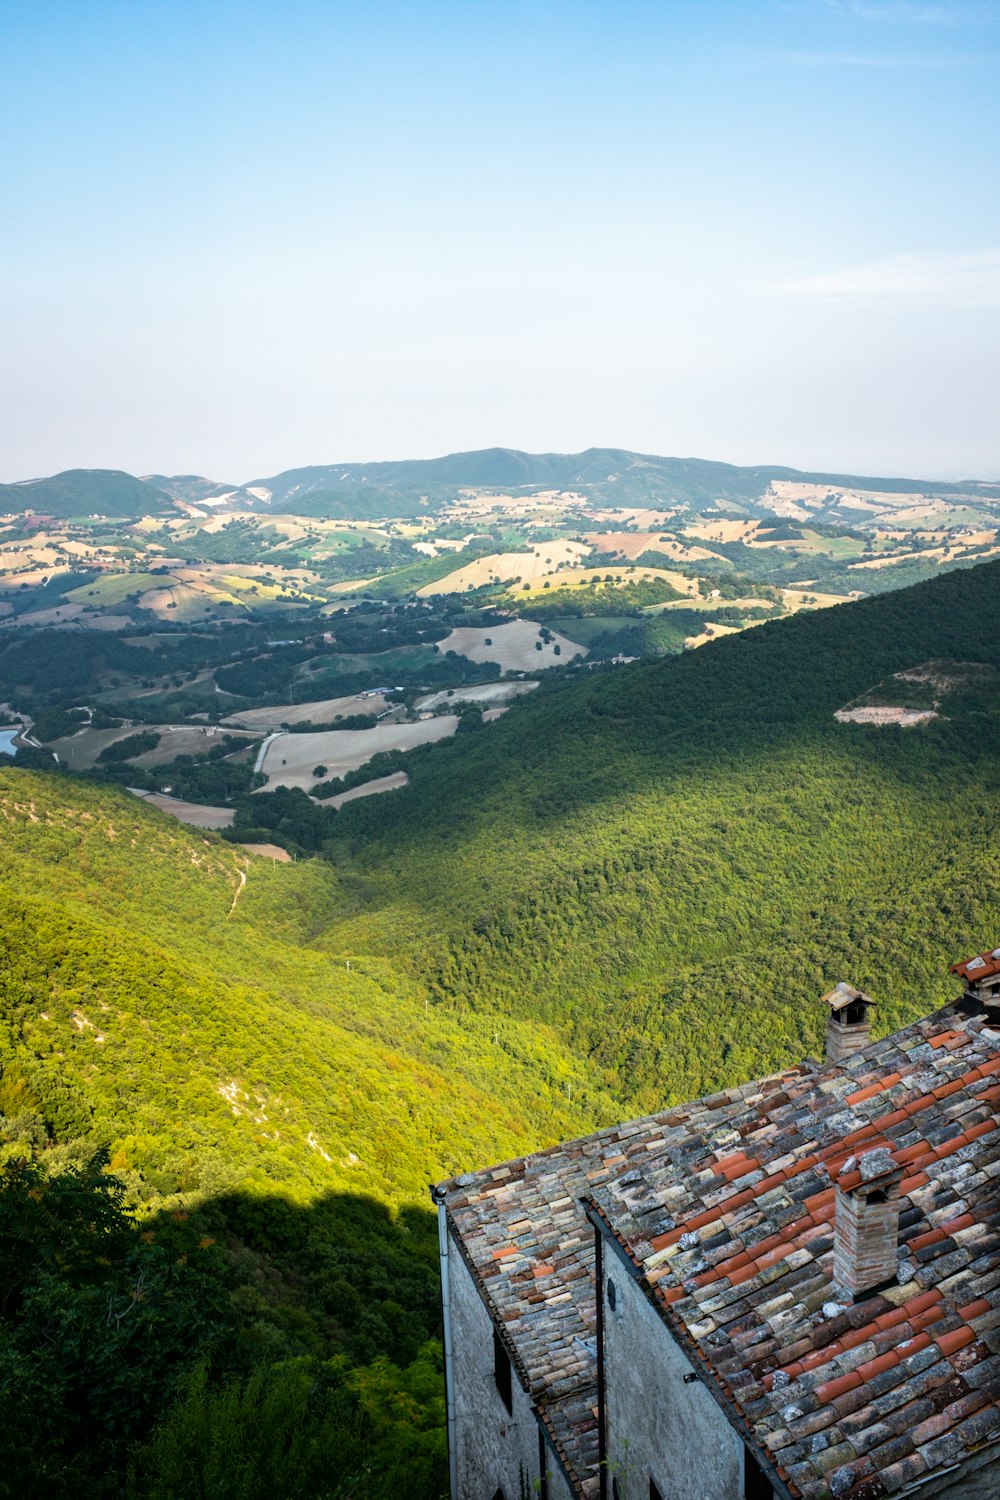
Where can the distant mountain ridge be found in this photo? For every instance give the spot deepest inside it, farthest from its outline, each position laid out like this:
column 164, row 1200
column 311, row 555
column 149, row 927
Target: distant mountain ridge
column 606, row 476
column 602, row 472
column 84, row 492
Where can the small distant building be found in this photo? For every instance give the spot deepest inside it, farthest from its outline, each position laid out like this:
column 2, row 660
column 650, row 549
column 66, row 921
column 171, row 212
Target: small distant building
column 786, row 1289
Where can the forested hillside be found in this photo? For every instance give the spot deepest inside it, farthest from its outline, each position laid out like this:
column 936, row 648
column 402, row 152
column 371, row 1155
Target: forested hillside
column 670, row 863
column 273, row 1114
column 631, row 889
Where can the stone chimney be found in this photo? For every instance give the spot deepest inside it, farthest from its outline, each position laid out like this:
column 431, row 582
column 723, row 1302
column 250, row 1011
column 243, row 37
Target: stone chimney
column 848, row 1028
column 866, row 1222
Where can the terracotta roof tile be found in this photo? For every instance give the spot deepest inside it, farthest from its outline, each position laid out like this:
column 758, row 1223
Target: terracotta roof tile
column 757, row 1271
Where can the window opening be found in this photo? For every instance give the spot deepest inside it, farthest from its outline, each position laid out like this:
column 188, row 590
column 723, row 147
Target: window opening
column 756, row 1485
column 502, row 1373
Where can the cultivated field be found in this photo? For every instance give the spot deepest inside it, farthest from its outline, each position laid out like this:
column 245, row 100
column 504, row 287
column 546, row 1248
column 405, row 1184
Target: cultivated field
column 290, row 759
column 372, row 788
column 192, row 813
column 80, row 751
column 323, row 711
column 580, row 578
column 513, row 646
column 525, row 567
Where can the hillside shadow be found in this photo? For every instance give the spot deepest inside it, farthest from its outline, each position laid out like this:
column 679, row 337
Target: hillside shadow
column 250, row 1332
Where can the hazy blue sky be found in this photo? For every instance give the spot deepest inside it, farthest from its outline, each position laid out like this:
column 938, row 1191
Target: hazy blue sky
column 241, row 237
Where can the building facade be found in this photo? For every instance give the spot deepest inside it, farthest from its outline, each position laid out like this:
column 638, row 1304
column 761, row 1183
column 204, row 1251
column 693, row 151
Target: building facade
column 789, row 1289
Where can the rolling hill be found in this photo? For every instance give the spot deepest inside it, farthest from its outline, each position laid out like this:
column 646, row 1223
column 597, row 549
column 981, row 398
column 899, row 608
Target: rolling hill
column 610, row 476
column 631, row 890
column 406, row 488
column 84, row 492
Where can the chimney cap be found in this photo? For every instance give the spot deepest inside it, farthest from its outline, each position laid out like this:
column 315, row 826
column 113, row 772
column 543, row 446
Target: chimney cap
column 875, row 1168
column 845, row 994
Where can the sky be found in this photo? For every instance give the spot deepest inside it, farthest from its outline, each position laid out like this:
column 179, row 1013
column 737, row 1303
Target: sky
column 238, row 237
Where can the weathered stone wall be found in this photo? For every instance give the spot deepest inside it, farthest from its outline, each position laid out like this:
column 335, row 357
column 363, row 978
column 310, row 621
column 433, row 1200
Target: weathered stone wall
column 658, row 1427
column 978, row 1481
column 494, row 1448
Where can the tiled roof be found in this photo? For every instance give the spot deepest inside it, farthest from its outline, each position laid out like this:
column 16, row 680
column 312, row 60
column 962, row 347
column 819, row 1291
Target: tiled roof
column 979, row 966
column 725, row 1205
column 855, row 1400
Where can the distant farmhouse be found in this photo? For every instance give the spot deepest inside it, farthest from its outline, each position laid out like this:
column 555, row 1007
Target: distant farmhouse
column 791, row 1288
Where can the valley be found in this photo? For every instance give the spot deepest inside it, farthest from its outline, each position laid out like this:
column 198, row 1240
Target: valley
column 347, row 600
column 447, row 896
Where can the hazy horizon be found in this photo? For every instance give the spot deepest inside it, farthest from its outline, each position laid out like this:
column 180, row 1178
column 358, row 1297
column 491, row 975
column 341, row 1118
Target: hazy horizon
column 241, row 238
column 227, row 478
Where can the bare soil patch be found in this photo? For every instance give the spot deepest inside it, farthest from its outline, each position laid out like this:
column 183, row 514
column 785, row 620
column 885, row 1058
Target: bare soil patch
column 884, row 715
column 485, row 692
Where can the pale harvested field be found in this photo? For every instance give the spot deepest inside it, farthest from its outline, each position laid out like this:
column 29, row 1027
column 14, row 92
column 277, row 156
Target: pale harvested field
column 80, row 751
column 525, row 567
column 721, row 531
column 485, row 692
column 291, row 758
column 269, row 851
column 711, row 633
column 192, row 813
column 794, row 599
column 371, row 788
column 642, row 519
column 707, row 604
column 578, row 578
column 11, row 581
column 633, row 544
column 937, row 553
column 323, row 711
column 513, row 646
column 629, row 543
column 179, row 739
column 108, row 622
column 62, row 614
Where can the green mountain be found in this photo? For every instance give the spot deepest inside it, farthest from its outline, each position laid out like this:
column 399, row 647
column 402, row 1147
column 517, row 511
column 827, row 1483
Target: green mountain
column 610, row 476
column 667, row 863
column 630, row 890
column 85, row 492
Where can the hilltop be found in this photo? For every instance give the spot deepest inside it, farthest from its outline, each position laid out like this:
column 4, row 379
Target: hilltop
column 84, row 492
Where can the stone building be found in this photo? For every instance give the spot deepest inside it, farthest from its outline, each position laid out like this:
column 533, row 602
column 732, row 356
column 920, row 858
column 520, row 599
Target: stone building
column 790, row 1288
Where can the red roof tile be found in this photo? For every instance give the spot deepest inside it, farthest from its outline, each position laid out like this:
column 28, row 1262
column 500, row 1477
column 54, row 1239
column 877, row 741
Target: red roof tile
column 733, row 1305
